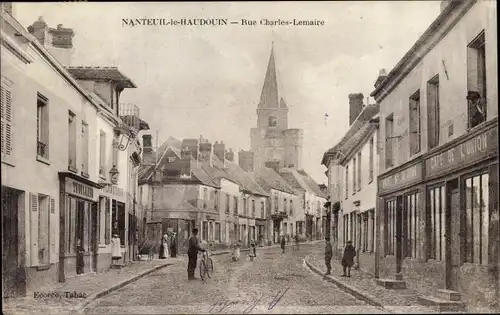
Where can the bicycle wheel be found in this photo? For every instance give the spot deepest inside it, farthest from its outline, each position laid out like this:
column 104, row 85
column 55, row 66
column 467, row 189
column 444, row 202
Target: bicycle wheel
column 203, row 269
column 210, row 267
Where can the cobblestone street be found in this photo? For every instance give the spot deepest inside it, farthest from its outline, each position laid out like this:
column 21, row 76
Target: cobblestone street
column 234, row 288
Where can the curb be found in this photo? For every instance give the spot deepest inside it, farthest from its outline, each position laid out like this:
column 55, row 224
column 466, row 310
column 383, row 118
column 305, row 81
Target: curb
column 81, row 306
column 370, row 299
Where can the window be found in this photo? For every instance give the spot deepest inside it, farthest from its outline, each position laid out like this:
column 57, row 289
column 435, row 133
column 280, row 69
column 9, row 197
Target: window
column 272, row 121
column 411, row 225
column 40, row 228
column 262, row 210
column 390, row 224
column 204, row 231
column 216, row 200
column 245, row 208
column 477, row 219
column 354, row 178
column 370, row 166
column 235, row 205
column 6, row 104
column 71, row 141
column 389, row 138
column 205, row 198
column 102, row 154
column 217, row 232
column 346, row 181
column 346, row 228
column 359, row 171
column 285, row 205
column 104, row 225
column 371, row 241
column 171, row 159
column 318, row 208
column 114, row 151
column 415, row 134
column 42, row 135
column 291, row 207
column 118, row 220
column 476, row 81
column 436, row 219
column 85, row 149
column 433, row 119
column 275, row 203
column 227, row 203
column 253, row 208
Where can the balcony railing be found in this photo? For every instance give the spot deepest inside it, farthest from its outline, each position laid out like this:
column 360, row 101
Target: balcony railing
column 42, row 150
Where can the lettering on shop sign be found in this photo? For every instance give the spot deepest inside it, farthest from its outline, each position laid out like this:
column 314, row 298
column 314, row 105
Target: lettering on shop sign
column 114, row 190
column 79, row 189
column 469, row 151
column 406, row 176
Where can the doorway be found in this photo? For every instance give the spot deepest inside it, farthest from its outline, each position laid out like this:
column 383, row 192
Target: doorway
column 80, row 224
column 12, row 286
column 94, row 221
column 453, row 235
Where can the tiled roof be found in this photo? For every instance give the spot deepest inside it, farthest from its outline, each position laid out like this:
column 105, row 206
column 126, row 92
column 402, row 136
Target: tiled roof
column 100, row 73
column 311, row 183
column 292, row 180
column 244, row 180
column 268, row 178
column 201, row 174
column 361, row 122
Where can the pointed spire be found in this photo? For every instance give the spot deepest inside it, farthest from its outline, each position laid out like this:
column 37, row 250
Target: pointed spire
column 270, row 95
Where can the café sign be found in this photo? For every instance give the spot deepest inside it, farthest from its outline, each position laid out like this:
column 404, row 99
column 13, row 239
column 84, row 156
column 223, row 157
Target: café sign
column 472, row 150
column 407, row 176
column 79, row 189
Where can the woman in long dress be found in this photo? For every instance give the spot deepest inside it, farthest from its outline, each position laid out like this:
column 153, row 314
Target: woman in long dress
column 166, row 245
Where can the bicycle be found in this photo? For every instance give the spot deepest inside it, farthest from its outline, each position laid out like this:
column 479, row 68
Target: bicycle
column 206, row 265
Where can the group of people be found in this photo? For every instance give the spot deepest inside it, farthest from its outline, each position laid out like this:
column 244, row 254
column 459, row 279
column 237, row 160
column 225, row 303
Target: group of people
column 347, row 258
column 168, row 246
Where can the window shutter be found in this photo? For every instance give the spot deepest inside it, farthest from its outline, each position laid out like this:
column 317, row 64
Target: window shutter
column 6, row 124
column 34, row 229
column 52, row 228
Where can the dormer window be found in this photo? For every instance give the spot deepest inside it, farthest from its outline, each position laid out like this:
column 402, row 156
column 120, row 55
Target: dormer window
column 272, row 121
column 171, row 159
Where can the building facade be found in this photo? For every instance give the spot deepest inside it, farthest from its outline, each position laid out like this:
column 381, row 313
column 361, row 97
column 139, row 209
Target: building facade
column 438, row 184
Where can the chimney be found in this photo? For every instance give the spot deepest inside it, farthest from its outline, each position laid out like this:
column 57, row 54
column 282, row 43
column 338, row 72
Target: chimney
column 245, row 160
column 148, row 154
column 58, row 41
column 220, row 151
column 230, row 155
column 382, row 74
column 189, row 148
column 444, row 4
column 205, row 154
column 7, row 7
column 355, row 106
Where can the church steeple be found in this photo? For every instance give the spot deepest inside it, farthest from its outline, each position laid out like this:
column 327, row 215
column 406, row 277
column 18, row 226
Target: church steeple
column 270, row 96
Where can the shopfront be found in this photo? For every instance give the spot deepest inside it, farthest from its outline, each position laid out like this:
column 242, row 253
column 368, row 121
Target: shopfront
column 439, row 218
column 79, row 226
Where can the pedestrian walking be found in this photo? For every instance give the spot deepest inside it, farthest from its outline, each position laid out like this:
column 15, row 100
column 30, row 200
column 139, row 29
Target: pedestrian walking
column 193, row 249
column 348, row 258
column 283, row 244
column 328, row 256
column 166, row 245
column 173, row 245
column 297, row 240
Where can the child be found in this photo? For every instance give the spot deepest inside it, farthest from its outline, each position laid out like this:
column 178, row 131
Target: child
column 253, row 252
column 348, row 258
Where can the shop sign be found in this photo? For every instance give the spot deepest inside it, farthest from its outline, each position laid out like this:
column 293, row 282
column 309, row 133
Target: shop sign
column 475, row 149
column 113, row 190
column 79, row 189
column 407, row 176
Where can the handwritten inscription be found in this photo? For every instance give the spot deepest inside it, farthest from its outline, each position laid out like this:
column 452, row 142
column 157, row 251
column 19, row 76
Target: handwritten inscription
column 224, row 303
column 469, row 151
column 403, row 177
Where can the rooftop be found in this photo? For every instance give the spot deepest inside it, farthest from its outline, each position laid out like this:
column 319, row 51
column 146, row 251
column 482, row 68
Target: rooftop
column 101, row 73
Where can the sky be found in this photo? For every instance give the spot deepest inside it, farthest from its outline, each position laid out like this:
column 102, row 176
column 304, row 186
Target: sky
column 207, row 80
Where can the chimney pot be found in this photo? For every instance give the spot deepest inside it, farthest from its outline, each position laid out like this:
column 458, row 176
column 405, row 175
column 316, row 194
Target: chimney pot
column 382, row 72
column 355, row 106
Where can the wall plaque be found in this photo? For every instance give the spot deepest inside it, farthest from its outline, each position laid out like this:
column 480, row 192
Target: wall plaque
column 404, row 177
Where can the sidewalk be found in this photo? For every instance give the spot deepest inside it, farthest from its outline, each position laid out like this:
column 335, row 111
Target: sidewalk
column 88, row 286
column 94, row 286
column 364, row 287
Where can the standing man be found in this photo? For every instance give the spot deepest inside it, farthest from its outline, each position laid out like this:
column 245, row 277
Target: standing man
column 193, row 249
column 328, row 256
column 283, row 242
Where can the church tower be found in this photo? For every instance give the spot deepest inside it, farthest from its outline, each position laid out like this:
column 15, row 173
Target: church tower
column 273, row 144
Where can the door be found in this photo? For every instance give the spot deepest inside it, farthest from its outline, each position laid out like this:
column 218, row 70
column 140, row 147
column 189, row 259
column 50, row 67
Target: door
column 79, row 231
column 10, row 270
column 453, row 237
column 94, row 222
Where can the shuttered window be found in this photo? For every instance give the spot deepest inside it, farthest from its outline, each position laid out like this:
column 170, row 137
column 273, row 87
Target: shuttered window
column 42, row 148
column 433, row 120
column 71, row 141
column 41, row 239
column 85, row 148
column 415, row 133
column 6, row 124
column 34, row 229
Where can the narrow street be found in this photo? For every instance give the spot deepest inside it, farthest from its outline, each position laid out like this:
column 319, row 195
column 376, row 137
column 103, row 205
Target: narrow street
column 234, row 288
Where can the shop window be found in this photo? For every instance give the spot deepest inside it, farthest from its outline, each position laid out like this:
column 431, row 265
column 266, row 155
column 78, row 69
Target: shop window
column 415, row 134
column 476, row 81
column 217, row 232
column 42, row 127
column 390, row 227
column 476, row 219
column 411, row 225
column 107, row 222
column 436, row 219
column 346, row 181
column 433, row 112
column 118, row 220
column 389, row 138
